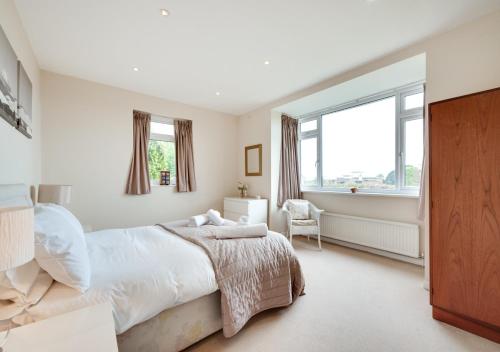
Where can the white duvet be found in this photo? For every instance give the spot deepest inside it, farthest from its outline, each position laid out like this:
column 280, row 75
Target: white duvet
column 141, row 271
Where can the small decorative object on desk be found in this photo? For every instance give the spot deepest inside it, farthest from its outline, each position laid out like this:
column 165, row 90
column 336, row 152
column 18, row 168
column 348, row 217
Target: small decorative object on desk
column 164, row 178
column 243, row 188
column 354, row 189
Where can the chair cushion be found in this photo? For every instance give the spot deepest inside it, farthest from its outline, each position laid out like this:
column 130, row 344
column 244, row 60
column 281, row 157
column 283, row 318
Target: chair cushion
column 299, row 209
column 311, row 222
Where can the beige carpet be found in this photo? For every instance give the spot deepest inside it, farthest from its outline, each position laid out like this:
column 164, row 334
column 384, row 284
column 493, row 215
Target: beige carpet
column 354, row 301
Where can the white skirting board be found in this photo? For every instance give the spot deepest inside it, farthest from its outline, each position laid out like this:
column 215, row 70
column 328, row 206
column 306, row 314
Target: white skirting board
column 397, row 238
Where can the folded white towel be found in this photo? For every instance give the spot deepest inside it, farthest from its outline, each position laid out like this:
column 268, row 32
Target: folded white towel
column 241, row 231
column 214, row 217
column 230, row 223
column 198, row 220
column 243, row 220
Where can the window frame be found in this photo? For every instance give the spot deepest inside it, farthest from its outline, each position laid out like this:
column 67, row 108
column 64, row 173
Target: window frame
column 310, row 135
column 401, row 117
column 163, row 138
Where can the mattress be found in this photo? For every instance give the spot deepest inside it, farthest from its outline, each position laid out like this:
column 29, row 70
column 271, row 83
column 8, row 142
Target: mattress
column 142, row 271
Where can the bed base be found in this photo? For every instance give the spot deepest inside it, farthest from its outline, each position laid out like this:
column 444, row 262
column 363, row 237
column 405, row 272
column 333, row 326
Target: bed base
column 176, row 328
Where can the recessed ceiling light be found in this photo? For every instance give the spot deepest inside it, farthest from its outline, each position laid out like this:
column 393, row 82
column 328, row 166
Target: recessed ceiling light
column 217, row 93
column 135, row 69
column 266, row 62
column 164, row 12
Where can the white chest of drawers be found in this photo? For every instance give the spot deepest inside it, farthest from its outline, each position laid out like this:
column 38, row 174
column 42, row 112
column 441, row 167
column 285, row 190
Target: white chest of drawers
column 255, row 209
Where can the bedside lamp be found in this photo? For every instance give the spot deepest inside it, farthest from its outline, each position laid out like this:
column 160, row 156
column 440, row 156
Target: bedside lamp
column 57, row 194
column 17, row 241
column 17, row 237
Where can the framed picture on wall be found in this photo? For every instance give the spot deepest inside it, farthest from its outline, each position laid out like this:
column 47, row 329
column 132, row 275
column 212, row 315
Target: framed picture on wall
column 164, row 178
column 8, row 81
column 24, row 102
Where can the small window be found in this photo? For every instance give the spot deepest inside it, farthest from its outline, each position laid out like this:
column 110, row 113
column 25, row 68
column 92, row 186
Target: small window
column 309, row 126
column 414, row 151
column 162, row 128
column 414, row 101
column 308, row 161
column 161, row 150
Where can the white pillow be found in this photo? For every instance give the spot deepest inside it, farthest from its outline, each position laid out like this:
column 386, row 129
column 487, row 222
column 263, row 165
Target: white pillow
column 299, row 209
column 60, row 247
column 67, row 215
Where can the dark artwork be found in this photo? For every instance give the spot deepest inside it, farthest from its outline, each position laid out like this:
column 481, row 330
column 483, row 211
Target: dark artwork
column 24, row 103
column 164, row 178
column 8, row 81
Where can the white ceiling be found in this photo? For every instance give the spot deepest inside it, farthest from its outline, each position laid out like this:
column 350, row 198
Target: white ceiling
column 221, row 45
column 397, row 75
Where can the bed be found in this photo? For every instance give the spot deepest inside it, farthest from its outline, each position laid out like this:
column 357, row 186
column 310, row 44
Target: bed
column 163, row 288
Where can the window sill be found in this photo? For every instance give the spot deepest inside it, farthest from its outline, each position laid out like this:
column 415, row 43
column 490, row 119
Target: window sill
column 161, row 186
column 363, row 194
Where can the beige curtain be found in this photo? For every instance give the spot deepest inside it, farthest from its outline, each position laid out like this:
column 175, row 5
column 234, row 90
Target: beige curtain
column 186, row 179
column 138, row 177
column 289, row 181
column 422, row 194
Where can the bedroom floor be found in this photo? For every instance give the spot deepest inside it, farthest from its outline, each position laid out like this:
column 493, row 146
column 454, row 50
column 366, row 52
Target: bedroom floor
column 354, row 301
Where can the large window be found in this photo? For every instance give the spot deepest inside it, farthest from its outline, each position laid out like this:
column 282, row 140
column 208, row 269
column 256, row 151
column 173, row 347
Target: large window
column 374, row 144
column 161, row 151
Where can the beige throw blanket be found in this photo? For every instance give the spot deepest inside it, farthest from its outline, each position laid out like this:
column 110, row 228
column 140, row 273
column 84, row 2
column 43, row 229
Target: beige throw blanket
column 253, row 274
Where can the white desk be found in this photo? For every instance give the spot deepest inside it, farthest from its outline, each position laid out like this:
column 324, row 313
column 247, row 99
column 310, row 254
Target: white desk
column 87, row 329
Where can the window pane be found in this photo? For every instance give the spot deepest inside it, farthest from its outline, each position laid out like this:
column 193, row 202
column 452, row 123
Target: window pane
column 414, row 101
column 308, row 161
column 309, row 126
column 359, row 146
column 161, row 157
column 162, row 128
column 414, row 151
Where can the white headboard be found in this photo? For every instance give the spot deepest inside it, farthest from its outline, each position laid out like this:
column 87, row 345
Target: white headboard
column 16, row 195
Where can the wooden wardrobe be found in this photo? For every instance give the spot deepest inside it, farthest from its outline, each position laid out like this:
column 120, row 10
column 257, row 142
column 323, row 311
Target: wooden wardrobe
column 465, row 212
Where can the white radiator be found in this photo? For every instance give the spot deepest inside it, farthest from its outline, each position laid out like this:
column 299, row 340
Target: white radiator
column 395, row 237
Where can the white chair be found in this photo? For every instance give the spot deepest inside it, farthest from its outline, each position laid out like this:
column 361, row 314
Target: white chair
column 302, row 218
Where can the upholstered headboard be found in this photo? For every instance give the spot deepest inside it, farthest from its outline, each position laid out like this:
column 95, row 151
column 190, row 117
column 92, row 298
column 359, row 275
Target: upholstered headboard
column 16, row 195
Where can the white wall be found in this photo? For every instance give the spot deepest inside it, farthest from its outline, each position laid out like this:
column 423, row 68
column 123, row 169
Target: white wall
column 255, row 128
column 20, row 157
column 461, row 61
column 88, row 144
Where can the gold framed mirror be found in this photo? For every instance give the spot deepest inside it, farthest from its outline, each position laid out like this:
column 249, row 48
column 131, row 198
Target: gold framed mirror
column 253, row 160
